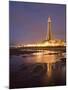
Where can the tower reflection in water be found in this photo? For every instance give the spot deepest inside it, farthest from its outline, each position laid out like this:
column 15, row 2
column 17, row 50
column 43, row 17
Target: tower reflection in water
column 50, row 58
column 42, row 68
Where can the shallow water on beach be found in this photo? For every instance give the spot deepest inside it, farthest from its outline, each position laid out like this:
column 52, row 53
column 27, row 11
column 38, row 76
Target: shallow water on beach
column 43, row 68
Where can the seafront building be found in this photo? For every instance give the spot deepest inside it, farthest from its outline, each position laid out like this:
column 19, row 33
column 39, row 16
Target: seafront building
column 50, row 41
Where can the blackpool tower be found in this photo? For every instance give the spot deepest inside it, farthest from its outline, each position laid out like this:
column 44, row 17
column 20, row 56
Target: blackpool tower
column 49, row 27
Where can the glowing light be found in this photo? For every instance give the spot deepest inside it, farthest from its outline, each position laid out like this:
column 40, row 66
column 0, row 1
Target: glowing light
column 47, row 43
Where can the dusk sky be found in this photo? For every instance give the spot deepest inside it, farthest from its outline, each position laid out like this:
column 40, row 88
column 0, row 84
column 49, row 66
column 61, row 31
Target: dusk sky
column 28, row 21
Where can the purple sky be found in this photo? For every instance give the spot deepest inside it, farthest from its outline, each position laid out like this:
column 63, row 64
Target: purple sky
column 28, row 21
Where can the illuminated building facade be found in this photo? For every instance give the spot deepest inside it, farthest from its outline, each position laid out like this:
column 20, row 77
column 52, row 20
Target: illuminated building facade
column 50, row 41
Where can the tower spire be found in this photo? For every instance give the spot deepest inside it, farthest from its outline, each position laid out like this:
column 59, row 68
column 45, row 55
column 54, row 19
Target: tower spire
column 49, row 33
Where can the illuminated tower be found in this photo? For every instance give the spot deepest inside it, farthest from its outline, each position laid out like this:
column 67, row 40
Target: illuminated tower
column 49, row 32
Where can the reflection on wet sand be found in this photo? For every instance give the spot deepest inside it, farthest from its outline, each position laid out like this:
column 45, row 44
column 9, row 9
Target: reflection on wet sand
column 43, row 68
column 48, row 57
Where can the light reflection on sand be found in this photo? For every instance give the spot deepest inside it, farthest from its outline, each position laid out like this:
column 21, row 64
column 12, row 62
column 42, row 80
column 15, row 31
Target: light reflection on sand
column 48, row 67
